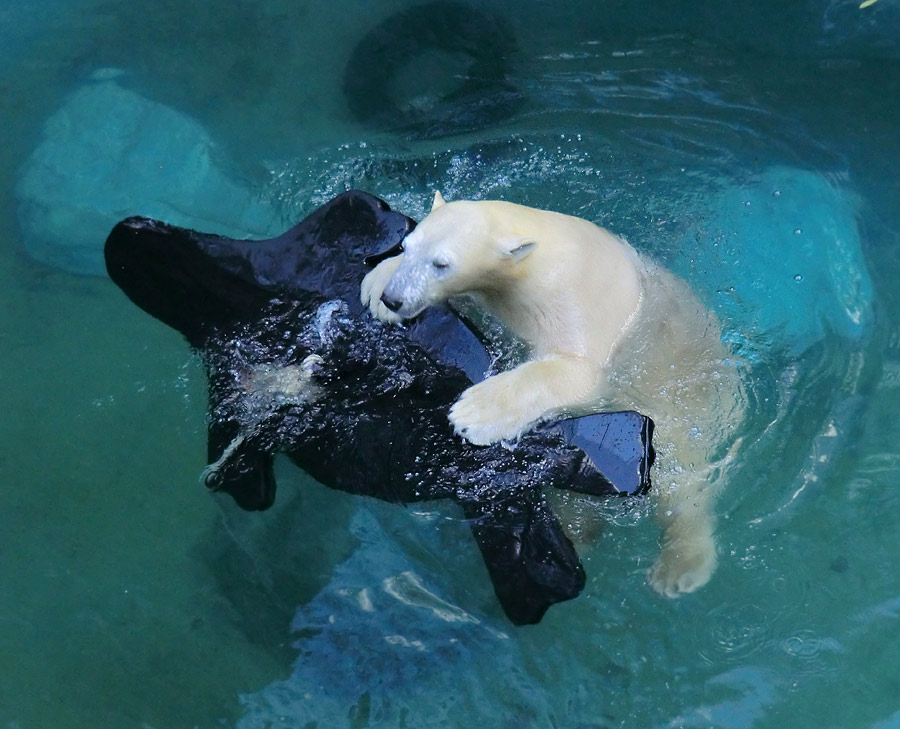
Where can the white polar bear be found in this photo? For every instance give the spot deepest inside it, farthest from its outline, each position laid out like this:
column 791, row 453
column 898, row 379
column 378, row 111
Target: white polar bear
column 606, row 330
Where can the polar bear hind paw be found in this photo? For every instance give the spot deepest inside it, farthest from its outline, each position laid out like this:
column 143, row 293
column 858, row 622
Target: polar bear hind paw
column 684, row 565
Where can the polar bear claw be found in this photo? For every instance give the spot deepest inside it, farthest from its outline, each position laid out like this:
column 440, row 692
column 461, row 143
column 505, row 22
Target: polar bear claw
column 372, row 288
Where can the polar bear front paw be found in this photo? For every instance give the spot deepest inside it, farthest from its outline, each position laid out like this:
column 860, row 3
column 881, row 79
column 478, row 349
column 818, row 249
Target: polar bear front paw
column 486, row 413
column 372, row 287
column 685, row 564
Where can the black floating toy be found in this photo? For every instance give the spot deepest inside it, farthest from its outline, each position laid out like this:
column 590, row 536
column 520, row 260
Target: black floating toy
column 295, row 365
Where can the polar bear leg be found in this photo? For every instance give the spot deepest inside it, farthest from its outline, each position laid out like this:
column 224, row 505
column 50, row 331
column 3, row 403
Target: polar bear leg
column 504, row 406
column 688, row 556
column 373, row 286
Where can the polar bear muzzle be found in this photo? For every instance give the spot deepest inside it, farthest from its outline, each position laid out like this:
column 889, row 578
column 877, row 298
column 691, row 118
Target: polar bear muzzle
column 406, row 301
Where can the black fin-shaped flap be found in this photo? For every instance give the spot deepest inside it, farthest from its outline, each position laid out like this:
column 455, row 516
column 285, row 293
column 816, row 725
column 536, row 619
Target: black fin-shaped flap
column 532, row 563
column 239, row 468
column 618, row 445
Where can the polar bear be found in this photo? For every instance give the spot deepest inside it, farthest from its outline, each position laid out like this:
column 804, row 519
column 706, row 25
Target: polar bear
column 604, row 328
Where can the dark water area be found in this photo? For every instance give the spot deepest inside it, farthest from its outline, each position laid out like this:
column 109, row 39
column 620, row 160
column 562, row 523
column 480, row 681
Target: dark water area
column 752, row 149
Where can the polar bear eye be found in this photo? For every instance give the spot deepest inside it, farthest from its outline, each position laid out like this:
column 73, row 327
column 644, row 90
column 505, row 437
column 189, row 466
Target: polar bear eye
column 440, row 265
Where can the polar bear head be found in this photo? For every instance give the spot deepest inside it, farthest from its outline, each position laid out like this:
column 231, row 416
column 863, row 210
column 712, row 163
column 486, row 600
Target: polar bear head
column 460, row 247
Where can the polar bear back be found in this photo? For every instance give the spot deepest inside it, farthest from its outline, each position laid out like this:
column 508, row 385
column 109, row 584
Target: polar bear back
column 673, row 365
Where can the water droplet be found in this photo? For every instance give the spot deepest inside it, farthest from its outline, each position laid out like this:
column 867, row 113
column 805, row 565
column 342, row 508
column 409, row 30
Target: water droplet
column 798, row 277
column 805, row 644
column 798, row 231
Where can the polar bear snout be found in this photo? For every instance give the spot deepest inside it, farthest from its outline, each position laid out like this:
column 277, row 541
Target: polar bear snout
column 407, row 292
column 391, row 294
column 391, row 303
column 402, row 307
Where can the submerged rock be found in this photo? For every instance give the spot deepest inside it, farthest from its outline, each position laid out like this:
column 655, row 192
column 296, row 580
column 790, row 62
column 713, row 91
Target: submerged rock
column 109, row 152
column 781, row 261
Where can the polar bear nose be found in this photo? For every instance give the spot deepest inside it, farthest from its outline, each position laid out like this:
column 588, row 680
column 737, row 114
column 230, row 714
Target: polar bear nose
column 391, row 303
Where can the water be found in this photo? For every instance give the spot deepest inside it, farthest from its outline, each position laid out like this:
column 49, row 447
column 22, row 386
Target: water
column 754, row 152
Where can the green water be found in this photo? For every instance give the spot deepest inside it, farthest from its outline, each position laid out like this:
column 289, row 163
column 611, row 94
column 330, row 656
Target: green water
column 130, row 598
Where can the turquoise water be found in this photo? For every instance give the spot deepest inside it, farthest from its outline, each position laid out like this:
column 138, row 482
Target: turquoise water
column 753, row 150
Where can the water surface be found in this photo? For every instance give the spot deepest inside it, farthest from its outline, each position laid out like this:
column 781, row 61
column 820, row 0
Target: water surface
column 755, row 153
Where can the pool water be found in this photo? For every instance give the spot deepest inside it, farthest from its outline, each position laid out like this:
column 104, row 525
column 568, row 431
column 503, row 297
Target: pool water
column 754, row 152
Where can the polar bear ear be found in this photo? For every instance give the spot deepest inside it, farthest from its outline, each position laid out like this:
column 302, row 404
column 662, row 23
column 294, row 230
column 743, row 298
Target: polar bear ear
column 516, row 247
column 438, row 201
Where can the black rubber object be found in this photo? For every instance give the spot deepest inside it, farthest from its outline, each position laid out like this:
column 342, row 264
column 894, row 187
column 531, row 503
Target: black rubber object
column 379, row 427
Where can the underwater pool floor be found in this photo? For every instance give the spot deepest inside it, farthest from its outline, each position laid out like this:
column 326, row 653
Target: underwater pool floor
column 764, row 174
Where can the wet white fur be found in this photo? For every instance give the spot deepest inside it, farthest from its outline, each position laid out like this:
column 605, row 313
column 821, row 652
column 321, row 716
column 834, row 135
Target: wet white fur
column 607, row 330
